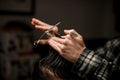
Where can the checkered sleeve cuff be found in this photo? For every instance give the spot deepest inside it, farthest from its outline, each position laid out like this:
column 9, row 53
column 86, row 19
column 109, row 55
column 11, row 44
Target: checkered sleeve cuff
column 87, row 63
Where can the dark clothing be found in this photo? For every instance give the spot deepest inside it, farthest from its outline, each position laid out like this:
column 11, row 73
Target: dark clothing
column 102, row 64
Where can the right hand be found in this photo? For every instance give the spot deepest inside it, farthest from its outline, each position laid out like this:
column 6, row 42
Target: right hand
column 69, row 46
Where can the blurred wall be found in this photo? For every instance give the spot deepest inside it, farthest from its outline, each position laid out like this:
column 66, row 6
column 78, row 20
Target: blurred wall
column 91, row 18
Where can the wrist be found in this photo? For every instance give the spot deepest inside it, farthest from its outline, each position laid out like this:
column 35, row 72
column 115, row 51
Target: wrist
column 79, row 53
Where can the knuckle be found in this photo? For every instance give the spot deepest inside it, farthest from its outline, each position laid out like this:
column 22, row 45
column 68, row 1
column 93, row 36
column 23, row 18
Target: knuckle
column 64, row 41
column 63, row 48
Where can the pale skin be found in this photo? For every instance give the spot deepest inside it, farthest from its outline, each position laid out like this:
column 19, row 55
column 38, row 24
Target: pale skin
column 70, row 46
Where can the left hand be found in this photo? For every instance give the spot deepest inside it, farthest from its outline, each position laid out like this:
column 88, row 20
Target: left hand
column 43, row 26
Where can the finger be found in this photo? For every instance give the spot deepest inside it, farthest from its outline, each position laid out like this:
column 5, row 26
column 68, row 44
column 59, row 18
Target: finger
column 42, row 25
column 38, row 22
column 63, row 37
column 66, row 37
column 42, row 42
column 58, row 40
column 71, row 32
column 74, row 34
column 68, row 31
column 44, row 28
column 34, row 22
column 55, row 45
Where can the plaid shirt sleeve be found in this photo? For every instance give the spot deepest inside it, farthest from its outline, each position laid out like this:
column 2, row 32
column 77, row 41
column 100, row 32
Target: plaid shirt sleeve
column 100, row 64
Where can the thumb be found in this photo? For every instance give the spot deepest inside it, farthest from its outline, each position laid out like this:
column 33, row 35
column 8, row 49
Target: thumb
column 67, row 31
column 71, row 32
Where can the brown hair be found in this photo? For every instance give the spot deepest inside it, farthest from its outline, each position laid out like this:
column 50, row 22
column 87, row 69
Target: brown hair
column 55, row 67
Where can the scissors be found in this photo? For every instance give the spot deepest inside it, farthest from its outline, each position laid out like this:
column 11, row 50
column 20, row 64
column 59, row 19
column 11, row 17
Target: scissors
column 47, row 32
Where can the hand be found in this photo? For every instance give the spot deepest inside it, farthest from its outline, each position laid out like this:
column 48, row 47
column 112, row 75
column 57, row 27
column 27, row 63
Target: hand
column 43, row 26
column 69, row 46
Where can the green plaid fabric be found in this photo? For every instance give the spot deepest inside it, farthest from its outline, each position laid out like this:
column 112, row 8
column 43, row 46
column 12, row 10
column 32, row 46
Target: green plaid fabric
column 102, row 64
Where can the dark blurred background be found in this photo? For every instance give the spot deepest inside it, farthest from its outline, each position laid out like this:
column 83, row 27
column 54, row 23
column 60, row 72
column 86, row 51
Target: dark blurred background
column 97, row 20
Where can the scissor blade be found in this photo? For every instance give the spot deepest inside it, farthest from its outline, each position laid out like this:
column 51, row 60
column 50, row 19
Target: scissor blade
column 53, row 26
column 47, row 31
